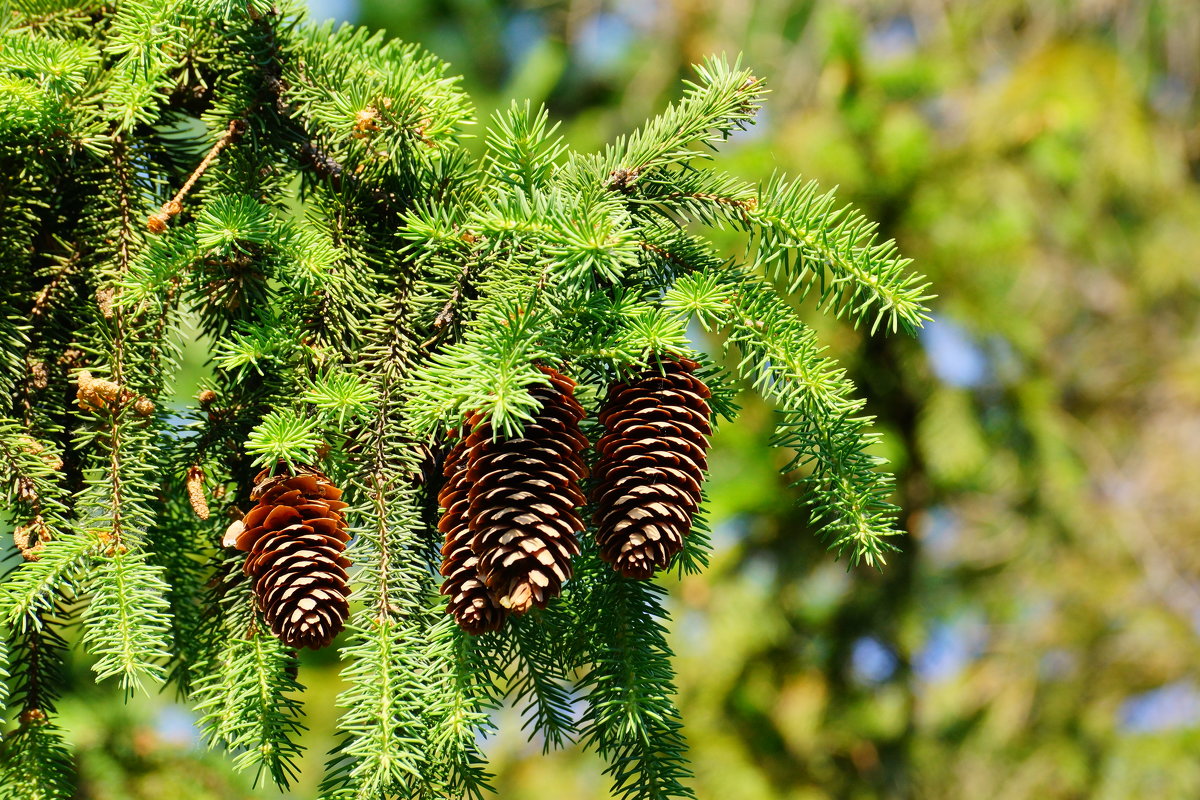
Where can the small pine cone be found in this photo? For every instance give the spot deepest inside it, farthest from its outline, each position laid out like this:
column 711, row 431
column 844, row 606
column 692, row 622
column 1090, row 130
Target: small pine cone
column 652, row 462
column 472, row 604
column 295, row 536
column 522, row 497
column 195, row 491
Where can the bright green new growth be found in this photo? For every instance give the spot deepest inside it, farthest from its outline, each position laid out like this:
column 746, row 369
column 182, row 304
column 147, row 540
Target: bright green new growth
column 365, row 282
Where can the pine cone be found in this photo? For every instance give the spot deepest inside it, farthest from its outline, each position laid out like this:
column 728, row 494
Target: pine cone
column 652, row 462
column 520, row 503
column 471, row 603
column 295, row 536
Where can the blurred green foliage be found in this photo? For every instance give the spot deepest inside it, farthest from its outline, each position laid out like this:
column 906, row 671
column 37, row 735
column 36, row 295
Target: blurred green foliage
column 1037, row 635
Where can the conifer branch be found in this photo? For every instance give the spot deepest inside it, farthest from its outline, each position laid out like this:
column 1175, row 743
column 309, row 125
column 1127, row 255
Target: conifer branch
column 541, row 682
column 466, row 672
column 126, row 622
column 726, row 97
column 631, row 719
column 248, row 704
column 419, row 287
column 32, row 589
column 822, row 422
column 157, row 222
column 807, row 240
column 34, row 760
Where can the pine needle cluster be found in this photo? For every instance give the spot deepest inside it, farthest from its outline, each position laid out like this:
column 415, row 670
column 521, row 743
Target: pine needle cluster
column 302, row 196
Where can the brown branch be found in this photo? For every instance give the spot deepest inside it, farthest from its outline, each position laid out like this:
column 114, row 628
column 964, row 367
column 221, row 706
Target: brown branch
column 42, row 301
column 124, row 257
column 446, row 316
column 157, row 222
column 664, row 253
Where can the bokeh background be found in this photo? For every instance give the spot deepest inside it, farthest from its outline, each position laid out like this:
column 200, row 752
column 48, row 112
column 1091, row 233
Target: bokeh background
column 1037, row 634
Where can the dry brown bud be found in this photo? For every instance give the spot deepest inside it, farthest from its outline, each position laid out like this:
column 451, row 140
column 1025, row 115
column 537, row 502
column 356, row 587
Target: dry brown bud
column 97, row 394
column 33, row 553
column 70, row 356
column 39, row 376
column 157, row 223
column 195, row 491
column 172, row 207
column 34, row 447
column 32, row 716
column 206, row 397
column 108, row 539
column 622, row 179
column 366, row 122
column 94, row 394
column 31, row 538
column 26, row 491
column 104, row 299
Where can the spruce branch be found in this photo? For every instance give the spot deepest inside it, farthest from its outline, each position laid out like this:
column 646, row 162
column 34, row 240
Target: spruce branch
column 822, row 422
column 30, row 473
column 33, row 589
column 807, row 240
column 247, row 699
column 523, row 149
column 541, row 682
column 283, row 437
column 157, row 222
column 390, row 713
column 466, row 691
column 341, row 394
column 386, row 700
column 382, row 751
column 127, row 620
column 35, row 762
column 185, row 554
column 631, row 719
column 364, row 284
column 724, row 98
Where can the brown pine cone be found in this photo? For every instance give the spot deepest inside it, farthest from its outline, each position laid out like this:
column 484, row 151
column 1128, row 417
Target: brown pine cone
column 652, row 462
column 521, row 499
column 472, row 604
column 295, row 536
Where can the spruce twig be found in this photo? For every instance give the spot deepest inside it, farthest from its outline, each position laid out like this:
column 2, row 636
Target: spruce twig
column 157, row 222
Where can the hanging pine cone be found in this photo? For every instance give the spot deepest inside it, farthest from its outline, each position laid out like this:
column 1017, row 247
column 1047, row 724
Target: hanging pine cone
column 472, row 604
column 295, row 536
column 521, row 496
column 652, row 462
